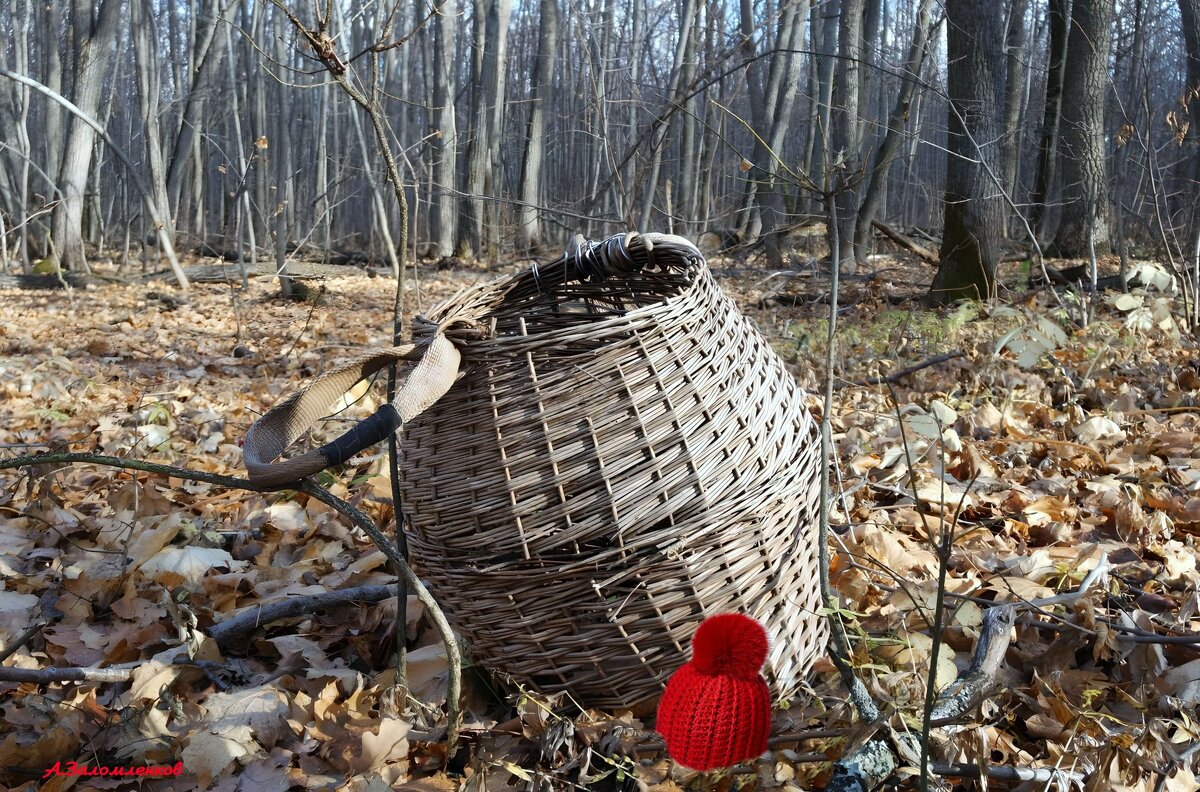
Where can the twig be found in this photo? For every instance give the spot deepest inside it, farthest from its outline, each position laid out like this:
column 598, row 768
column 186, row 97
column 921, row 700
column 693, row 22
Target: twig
column 839, row 644
column 23, row 639
column 120, row 672
column 250, row 619
column 896, row 376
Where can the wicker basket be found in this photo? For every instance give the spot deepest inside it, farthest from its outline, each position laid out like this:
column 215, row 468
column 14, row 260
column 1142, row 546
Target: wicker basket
column 621, row 455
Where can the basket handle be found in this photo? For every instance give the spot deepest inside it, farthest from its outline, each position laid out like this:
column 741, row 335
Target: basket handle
column 436, row 370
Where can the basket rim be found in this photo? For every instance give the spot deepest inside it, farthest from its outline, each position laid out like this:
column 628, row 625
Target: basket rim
column 475, row 305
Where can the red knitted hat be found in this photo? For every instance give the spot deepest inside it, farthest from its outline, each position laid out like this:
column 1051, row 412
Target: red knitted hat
column 716, row 710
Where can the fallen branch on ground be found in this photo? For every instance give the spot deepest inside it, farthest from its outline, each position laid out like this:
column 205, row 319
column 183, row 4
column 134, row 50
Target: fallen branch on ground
column 24, row 638
column 921, row 252
column 896, row 376
column 870, row 764
column 120, row 672
column 48, row 676
column 250, row 619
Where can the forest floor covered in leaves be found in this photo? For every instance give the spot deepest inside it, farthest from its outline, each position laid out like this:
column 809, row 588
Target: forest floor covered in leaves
column 1055, row 449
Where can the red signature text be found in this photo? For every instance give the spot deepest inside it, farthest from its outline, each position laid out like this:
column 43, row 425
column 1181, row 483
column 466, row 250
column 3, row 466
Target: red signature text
column 116, row 771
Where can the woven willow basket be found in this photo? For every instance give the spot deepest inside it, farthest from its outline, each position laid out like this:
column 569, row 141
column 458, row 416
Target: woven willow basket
column 621, row 455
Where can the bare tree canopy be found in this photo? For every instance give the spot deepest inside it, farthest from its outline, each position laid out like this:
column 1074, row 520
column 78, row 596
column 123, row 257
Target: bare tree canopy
column 520, row 124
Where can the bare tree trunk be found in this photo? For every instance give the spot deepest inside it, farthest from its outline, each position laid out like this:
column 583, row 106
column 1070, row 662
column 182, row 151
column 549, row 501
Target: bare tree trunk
column 687, row 19
column 23, row 27
column 323, row 206
column 1085, row 219
column 971, row 237
column 781, row 89
column 629, row 182
column 476, row 235
column 281, row 153
column 529, row 232
column 443, row 215
column 470, row 227
column 888, row 149
column 205, row 59
column 1014, row 44
column 238, row 201
column 846, row 130
column 820, row 134
column 771, row 104
column 145, row 45
column 51, row 51
column 1059, row 14
column 749, row 220
column 689, row 159
column 1190, row 11
column 92, row 42
column 255, row 16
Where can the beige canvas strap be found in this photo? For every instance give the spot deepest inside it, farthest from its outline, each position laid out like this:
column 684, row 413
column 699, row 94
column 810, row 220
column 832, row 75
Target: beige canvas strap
column 434, row 373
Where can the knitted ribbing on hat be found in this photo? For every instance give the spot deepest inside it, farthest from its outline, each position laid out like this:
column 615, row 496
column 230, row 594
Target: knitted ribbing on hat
column 716, row 710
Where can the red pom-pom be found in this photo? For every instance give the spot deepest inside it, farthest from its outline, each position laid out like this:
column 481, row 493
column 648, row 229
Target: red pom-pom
column 729, row 643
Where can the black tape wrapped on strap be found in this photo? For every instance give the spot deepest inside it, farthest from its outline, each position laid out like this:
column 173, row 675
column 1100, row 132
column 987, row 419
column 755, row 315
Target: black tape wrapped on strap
column 363, row 435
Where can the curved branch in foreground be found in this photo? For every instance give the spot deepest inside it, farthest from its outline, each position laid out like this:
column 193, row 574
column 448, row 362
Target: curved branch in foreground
column 362, row 521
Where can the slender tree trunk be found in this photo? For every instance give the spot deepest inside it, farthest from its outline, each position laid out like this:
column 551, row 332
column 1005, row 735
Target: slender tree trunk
column 23, row 29
column 846, row 138
column 890, row 147
column 147, row 59
column 687, row 19
column 206, row 58
column 749, row 220
column 1014, row 88
column 971, row 237
column 281, row 153
column 823, row 122
column 629, row 182
column 529, row 232
column 781, row 89
column 323, row 206
column 470, row 227
column 54, row 115
column 257, row 84
column 1059, row 14
column 237, row 200
column 476, row 235
column 92, row 43
column 1085, row 219
column 689, row 159
column 443, row 215
column 1190, row 166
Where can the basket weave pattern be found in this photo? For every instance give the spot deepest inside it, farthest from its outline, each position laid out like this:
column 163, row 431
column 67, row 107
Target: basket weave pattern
column 622, row 456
